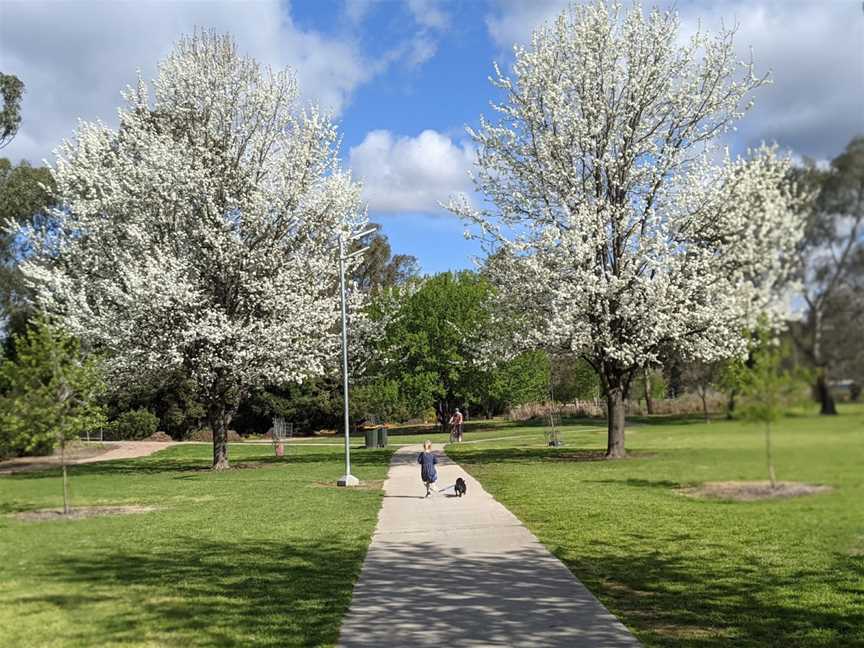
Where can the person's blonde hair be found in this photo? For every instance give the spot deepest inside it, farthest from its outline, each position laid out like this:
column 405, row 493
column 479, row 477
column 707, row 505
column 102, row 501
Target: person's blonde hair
column 427, row 445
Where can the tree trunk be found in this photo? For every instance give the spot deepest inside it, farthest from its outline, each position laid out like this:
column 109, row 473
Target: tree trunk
column 219, row 418
column 66, row 508
column 615, row 420
column 826, row 400
column 444, row 412
column 769, row 456
column 730, row 405
column 673, row 389
column 703, row 395
column 649, row 402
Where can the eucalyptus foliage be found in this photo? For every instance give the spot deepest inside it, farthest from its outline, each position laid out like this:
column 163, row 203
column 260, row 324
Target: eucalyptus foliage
column 12, row 91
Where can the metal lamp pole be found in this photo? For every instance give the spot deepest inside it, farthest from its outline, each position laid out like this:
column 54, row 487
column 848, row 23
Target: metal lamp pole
column 347, row 479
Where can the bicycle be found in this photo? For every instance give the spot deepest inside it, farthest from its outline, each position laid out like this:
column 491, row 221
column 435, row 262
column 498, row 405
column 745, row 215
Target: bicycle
column 455, row 434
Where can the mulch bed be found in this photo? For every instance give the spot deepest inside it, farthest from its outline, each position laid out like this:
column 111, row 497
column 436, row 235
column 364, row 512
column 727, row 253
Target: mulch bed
column 79, row 512
column 750, row 491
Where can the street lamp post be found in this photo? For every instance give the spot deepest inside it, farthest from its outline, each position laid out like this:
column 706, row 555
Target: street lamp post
column 347, row 479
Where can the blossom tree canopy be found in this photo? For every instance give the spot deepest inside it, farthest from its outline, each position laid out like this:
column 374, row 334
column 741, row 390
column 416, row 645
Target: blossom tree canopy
column 616, row 228
column 202, row 233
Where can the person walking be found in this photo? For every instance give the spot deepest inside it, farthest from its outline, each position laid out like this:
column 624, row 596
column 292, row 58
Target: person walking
column 456, row 424
column 428, row 471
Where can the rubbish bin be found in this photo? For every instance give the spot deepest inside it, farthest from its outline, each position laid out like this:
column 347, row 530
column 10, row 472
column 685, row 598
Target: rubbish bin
column 382, row 437
column 371, row 438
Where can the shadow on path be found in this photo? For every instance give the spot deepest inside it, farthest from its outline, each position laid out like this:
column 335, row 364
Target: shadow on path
column 451, row 571
column 446, row 597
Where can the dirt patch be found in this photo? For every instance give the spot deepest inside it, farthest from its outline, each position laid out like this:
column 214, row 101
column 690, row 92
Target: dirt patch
column 161, row 437
column 857, row 548
column 80, row 512
column 749, row 491
column 368, row 485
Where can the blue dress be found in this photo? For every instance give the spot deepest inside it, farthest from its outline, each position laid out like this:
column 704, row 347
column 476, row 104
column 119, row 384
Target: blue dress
column 428, row 472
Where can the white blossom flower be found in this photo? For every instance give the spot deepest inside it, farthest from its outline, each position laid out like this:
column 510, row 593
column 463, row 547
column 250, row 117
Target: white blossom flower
column 202, row 233
column 612, row 231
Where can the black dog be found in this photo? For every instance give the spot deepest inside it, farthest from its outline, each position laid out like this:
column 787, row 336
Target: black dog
column 461, row 487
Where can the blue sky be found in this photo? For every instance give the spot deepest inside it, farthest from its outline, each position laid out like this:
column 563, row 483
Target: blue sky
column 404, row 77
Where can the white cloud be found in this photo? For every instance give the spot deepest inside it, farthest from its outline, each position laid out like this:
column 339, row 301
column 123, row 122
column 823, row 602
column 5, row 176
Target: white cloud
column 432, row 20
column 814, row 49
column 428, row 13
column 75, row 58
column 357, row 10
column 427, row 18
column 421, row 49
column 815, row 53
column 411, row 174
column 512, row 21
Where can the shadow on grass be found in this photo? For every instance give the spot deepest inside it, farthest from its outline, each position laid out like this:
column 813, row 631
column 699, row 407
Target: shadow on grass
column 294, row 594
column 680, row 602
column 172, row 464
column 537, row 455
column 668, row 419
column 208, row 593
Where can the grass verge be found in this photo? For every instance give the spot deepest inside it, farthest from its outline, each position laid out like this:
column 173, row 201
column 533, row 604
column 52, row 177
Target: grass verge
column 258, row 556
column 684, row 572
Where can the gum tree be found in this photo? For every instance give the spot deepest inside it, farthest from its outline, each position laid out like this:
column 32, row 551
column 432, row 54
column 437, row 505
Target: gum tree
column 200, row 236
column 12, row 91
column 831, row 254
column 616, row 228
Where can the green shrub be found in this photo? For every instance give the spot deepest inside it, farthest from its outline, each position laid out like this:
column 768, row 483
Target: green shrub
column 49, row 391
column 135, row 424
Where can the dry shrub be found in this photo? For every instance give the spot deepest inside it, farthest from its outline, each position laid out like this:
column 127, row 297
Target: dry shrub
column 206, row 434
column 579, row 409
column 159, row 436
column 687, row 403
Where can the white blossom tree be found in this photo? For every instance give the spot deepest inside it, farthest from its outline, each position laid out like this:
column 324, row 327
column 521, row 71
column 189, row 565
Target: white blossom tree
column 202, row 233
column 616, row 229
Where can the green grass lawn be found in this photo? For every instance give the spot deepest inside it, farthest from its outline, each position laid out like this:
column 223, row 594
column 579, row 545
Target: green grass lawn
column 263, row 555
column 683, row 572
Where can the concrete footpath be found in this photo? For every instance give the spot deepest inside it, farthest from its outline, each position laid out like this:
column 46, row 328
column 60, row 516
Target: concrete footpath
column 448, row 571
